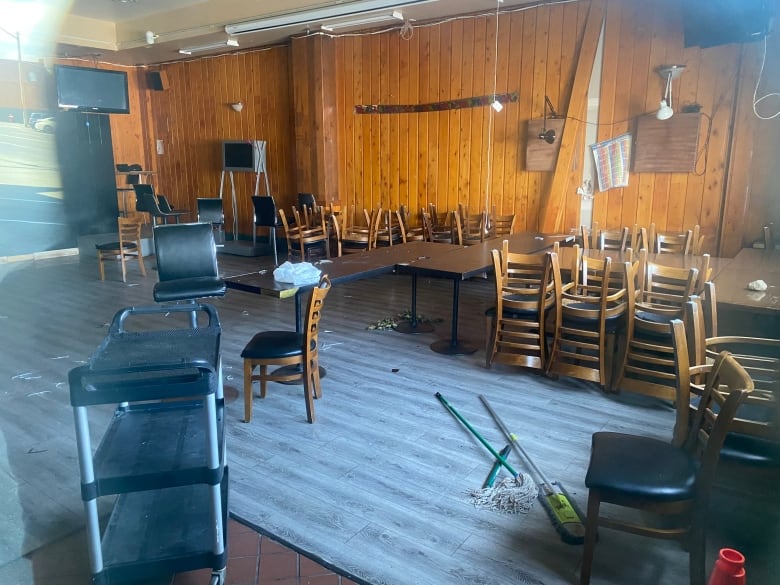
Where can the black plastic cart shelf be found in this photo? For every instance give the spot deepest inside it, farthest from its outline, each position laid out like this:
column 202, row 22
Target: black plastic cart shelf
column 163, row 452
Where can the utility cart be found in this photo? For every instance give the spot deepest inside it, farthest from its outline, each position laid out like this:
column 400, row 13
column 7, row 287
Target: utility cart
column 163, row 454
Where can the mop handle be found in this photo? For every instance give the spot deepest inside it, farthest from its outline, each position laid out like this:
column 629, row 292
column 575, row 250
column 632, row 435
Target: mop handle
column 487, row 445
column 516, row 445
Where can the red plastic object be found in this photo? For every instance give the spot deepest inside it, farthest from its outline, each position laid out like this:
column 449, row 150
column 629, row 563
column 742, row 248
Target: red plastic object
column 729, row 568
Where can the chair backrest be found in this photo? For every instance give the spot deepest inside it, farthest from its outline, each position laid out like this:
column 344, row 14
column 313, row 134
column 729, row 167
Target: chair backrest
column 185, row 250
column 130, row 230
column 210, row 210
column 306, row 200
column 142, row 191
column 265, row 211
column 526, row 281
column 727, row 387
column 613, row 239
column 148, row 202
column 164, row 205
column 503, row 225
column 674, row 243
column 667, row 285
column 313, row 316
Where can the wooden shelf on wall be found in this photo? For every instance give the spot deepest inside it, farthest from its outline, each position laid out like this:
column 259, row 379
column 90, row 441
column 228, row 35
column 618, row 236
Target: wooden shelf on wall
column 666, row 146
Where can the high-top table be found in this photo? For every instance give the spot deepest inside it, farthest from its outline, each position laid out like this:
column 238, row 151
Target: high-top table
column 472, row 261
column 750, row 265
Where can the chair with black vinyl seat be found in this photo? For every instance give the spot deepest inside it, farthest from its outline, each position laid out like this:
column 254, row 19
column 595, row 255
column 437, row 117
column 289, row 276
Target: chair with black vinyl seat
column 210, row 211
column 613, row 239
column 266, row 217
column 305, row 244
column 186, row 264
column 681, row 243
column 655, row 476
column 288, row 348
column 147, row 201
column 129, row 245
column 528, row 288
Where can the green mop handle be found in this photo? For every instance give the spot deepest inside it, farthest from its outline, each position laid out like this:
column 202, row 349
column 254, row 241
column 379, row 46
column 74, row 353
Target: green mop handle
column 474, row 431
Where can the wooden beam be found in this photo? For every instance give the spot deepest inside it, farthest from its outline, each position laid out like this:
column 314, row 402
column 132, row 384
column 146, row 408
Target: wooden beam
column 552, row 206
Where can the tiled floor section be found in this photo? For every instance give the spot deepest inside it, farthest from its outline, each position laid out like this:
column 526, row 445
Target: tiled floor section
column 254, row 559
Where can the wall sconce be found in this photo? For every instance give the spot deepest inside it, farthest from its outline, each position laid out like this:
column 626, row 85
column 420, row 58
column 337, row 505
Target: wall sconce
column 237, row 106
column 670, row 73
column 548, row 135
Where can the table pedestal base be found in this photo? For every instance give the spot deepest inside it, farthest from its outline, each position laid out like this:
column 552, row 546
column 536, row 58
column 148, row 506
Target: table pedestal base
column 447, row 347
column 410, row 327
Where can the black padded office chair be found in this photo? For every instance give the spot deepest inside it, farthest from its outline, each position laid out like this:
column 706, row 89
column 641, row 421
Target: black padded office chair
column 266, row 216
column 210, row 211
column 186, row 264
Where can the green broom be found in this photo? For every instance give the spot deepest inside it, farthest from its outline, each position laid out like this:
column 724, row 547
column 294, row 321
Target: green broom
column 565, row 517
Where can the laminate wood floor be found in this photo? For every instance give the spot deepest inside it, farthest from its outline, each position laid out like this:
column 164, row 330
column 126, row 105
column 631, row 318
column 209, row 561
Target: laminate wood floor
column 376, row 487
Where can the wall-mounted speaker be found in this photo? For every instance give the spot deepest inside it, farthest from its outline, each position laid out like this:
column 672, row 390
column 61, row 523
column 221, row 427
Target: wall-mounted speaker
column 156, row 80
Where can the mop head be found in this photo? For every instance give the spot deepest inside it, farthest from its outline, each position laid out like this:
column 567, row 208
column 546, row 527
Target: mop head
column 509, row 496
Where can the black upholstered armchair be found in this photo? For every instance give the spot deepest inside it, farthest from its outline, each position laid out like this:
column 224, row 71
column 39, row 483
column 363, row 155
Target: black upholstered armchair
column 186, row 263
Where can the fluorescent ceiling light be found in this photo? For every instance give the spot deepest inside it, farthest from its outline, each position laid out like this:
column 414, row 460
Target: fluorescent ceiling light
column 219, row 45
column 396, row 16
column 319, row 14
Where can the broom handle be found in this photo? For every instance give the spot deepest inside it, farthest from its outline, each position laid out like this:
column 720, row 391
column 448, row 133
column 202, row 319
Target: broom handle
column 474, row 431
column 512, row 438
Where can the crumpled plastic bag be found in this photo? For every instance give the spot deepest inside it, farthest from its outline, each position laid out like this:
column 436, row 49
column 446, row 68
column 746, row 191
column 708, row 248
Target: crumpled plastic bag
column 297, row 274
column 759, row 285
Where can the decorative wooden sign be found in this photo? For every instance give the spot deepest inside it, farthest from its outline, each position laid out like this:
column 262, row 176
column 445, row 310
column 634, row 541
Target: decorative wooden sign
column 539, row 154
column 459, row 104
column 666, row 146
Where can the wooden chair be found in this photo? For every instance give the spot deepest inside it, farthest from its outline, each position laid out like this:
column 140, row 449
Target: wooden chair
column 588, row 238
column 659, row 477
column 754, row 439
column 674, row 243
column 445, row 235
column 413, row 233
column 129, row 245
column 528, row 289
column 473, row 227
column 288, row 348
column 502, row 225
column 305, row 244
column 647, row 353
column 353, row 238
column 593, row 314
column 389, row 230
column 613, row 239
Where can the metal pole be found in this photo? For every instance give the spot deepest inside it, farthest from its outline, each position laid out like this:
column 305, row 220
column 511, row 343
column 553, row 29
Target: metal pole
column 18, row 37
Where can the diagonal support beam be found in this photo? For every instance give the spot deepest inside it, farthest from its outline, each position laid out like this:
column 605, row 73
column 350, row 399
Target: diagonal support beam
column 551, row 216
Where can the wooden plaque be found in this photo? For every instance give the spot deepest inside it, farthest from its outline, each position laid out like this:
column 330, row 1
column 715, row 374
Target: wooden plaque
column 666, row 146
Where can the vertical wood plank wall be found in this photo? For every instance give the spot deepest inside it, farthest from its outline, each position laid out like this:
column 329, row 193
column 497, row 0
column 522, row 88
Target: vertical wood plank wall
column 447, row 157
column 192, row 117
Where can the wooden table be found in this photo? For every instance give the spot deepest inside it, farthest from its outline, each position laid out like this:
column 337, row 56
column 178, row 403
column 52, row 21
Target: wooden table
column 472, row 261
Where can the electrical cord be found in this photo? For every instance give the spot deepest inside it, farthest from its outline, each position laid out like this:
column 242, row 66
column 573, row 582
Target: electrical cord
column 756, row 100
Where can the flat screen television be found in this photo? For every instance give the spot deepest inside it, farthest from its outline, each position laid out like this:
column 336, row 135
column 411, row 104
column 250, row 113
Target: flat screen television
column 721, row 22
column 239, row 155
column 99, row 91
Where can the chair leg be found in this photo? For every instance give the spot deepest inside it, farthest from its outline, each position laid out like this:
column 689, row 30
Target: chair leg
column 101, row 267
column 248, row 390
column 309, row 389
column 263, row 380
column 141, row 261
column 124, row 266
column 591, row 528
column 272, row 235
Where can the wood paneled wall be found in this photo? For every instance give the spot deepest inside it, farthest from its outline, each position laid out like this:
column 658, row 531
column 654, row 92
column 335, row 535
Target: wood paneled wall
column 193, row 116
column 474, row 156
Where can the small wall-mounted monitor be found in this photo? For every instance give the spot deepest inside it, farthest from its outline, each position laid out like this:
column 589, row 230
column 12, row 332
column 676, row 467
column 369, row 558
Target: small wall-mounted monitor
column 241, row 155
column 85, row 89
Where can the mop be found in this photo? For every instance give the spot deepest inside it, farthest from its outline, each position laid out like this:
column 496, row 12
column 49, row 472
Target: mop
column 566, row 518
column 510, row 495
